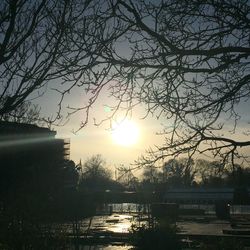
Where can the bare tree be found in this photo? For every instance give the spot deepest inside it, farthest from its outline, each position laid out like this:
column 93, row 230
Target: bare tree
column 152, row 174
column 188, row 62
column 50, row 44
column 95, row 168
column 179, row 172
column 212, row 173
column 24, row 113
column 125, row 176
column 94, row 175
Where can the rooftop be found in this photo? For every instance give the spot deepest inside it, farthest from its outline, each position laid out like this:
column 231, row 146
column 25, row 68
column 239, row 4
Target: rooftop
column 15, row 128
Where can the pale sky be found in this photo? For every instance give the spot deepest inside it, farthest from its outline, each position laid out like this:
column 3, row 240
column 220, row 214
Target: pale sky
column 92, row 140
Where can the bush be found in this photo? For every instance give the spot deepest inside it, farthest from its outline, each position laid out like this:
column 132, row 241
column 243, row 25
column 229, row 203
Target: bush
column 156, row 238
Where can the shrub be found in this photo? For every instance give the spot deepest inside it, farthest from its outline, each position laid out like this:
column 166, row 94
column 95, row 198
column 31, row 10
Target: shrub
column 157, row 238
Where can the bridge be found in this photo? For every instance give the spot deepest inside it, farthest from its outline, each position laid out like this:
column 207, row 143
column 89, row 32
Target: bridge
column 199, row 195
column 127, row 197
column 180, row 196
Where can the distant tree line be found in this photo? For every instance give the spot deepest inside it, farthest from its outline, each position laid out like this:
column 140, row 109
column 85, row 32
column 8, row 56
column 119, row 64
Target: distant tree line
column 94, row 176
column 184, row 172
column 174, row 173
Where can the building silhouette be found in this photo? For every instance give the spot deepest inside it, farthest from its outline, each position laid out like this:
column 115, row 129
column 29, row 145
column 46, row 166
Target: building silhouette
column 26, row 142
column 31, row 159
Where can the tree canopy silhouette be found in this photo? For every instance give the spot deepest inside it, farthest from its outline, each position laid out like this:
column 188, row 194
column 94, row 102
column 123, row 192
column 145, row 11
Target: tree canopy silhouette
column 95, row 176
column 48, row 45
column 186, row 61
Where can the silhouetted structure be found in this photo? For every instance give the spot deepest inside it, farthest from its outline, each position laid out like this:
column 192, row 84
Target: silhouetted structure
column 37, row 184
column 199, row 195
column 31, row 156
column 28, row 142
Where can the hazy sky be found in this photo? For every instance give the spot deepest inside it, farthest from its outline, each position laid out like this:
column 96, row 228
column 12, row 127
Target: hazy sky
column 93, row 139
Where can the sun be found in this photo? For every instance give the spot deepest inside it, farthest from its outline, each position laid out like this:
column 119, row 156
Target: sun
column 125, row 133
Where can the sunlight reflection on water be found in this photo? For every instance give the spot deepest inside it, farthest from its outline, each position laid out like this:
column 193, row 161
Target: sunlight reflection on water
column 110, row 247
column 116, row 223
column 121, row 224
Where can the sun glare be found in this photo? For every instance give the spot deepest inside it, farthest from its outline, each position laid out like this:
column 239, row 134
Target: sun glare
column 125, row 133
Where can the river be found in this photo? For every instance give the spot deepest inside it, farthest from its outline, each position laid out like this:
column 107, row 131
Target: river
column 117, row 219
